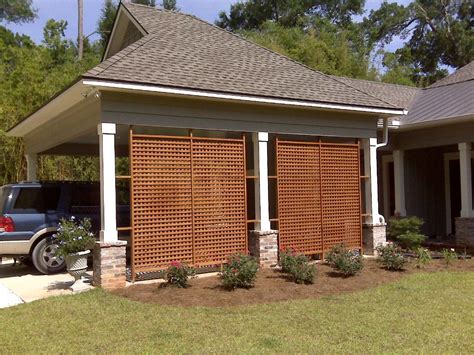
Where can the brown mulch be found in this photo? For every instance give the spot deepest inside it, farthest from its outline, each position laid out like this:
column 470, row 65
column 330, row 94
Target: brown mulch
column 274, row 286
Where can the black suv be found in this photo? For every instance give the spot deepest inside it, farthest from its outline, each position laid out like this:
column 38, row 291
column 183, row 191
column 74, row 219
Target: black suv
column 30, row 213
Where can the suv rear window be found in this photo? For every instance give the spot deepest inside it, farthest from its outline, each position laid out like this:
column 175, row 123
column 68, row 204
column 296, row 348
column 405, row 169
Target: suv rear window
column 37, row 200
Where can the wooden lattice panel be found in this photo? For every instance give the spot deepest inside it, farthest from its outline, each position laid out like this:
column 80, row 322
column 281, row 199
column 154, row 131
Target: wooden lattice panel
column 299, row 196
column 318, row 196
column 188, row 201
column 220, row 226
column 341, row 195
column 161, row 202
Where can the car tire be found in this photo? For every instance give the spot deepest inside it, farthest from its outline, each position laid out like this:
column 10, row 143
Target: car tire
column 44, row 259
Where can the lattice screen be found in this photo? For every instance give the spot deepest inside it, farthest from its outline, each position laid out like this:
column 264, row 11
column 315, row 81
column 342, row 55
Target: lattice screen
column 188, row 200
column 318, row 195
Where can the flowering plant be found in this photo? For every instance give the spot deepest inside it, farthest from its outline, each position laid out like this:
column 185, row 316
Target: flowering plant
column 73, row 237
column 240, row 271
column 347, row 262
column 297, row 266
column 391, row 257
column 449, row 256
column 178, row 274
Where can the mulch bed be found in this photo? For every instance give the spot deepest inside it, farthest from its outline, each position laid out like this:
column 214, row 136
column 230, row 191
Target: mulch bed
column 274, row 286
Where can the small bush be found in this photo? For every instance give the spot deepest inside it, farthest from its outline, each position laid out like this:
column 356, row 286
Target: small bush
column 406, row 232
column 347, row 262
column 391, row 257
column 178, row 274
column 240, row 272
column 74, row 237
column 449, row 256
column 423, row 257
column 298, row 266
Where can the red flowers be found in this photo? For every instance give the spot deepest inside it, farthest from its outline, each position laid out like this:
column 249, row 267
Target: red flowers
column 175, row 263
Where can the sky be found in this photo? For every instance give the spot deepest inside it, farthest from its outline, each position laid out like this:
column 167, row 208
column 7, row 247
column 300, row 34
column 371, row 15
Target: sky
column 67, row 10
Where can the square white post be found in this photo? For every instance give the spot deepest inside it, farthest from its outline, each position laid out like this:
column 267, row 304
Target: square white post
column 399, row 172
column 466, row 180
column 108, row 231
column 31, row 166
column 369, row 145
column 262, row 210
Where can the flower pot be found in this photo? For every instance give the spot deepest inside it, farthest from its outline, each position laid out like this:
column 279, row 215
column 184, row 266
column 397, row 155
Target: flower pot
column 77, row 264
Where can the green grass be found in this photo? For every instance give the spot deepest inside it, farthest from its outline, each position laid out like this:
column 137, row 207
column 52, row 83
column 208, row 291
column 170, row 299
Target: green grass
column 424, row 312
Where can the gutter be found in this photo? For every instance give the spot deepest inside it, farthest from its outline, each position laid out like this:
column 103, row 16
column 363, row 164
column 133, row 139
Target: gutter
column 122, row 86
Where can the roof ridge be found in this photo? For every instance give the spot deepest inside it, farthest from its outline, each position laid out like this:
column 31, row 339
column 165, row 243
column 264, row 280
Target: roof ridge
column 380, row 82
column 447, row 84
column 266, row 49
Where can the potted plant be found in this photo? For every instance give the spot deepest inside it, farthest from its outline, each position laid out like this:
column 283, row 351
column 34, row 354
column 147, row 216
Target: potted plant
column 75, row 240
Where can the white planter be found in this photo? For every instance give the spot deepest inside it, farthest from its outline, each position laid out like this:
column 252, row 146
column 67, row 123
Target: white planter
column 77, row 264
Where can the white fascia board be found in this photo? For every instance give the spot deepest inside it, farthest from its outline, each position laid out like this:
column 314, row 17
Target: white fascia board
column 50, row 110
column 435, row 123
column 120, row 86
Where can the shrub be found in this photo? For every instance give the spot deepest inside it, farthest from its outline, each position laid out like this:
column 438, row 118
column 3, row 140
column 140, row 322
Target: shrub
column 287, row 260
column 240, row 272
column 347, row 262
column 406, row 232
column 449, row 256
column 423, row 257
column 74, row 237
column 302, row 271
column 178, row 274
column 391, row 257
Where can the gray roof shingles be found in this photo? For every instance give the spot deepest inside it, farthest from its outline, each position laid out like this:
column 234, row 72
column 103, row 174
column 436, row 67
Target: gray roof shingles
column 182, row 51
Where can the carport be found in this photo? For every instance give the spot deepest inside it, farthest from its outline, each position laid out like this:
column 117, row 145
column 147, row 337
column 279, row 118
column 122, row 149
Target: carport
column 218, row 163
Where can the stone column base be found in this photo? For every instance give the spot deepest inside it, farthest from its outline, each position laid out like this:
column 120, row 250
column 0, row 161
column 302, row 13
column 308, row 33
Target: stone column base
column 465, row 231
column 264, row 246
column 373, row 235
column 110, row 264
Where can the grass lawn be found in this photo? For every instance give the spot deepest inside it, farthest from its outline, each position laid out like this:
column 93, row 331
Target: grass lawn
column 423, row 312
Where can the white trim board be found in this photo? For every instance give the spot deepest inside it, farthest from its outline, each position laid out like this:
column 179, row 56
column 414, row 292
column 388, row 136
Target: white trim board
column 386, row 159
column 447, row 157
column 121, row 86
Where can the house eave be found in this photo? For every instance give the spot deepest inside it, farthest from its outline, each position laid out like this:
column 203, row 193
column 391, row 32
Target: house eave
column 132, row 87
column 437, row 122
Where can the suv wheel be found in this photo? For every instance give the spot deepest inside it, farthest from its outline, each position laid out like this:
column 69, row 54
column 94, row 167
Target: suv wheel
column 44, row 259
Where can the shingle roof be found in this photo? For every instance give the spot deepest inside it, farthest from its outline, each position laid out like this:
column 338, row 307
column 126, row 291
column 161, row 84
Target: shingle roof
column 449, row 97
column 184, row 52
column 397, row 95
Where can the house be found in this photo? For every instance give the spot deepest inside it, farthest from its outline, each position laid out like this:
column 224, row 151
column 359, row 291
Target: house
column 231, row 147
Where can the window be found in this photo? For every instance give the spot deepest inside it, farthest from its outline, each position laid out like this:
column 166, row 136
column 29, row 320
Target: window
column 37, row 200
column 3, row 198
column 87, row 195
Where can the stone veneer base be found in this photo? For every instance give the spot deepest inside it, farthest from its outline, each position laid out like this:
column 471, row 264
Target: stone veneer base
column 264, row 246
column 465, row 231
column 373, row 235
column 110, row 265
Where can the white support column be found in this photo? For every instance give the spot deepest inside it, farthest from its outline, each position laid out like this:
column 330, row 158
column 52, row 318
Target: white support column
column 371, row 190
column 31, row 166
column 399, row 172
column 108, row 231
column 466, row 182
column 262, row 209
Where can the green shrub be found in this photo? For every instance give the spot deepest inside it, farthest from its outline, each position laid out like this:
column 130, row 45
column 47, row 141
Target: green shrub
column 449, row 256
column 178, row 274
column 347, row 262
column 391, row 257
column 240, row 272
column 74, row 237
column 297, row 266
column 406, row 232
column 423, row 257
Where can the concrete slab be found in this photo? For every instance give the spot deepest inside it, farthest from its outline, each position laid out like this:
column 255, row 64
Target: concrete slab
column 8, row 298
column 29, row 285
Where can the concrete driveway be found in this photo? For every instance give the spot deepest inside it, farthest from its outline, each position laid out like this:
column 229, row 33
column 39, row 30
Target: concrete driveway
column 22, row 283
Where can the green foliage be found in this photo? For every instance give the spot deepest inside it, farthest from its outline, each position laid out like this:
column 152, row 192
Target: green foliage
column 449, row 256
column 437, row 32
column 250, row 15
column 406, row 231
column 423, row 257
column 170, row 5
column 178, row 274
column 325, row 47
column 298, row 266
column 239, row 272
column 391, row 257
column 74, row 237
column 346, row 262
column 106, row 21
column 17, row 11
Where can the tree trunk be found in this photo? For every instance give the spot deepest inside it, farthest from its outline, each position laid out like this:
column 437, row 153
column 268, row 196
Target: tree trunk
column 80, row 29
